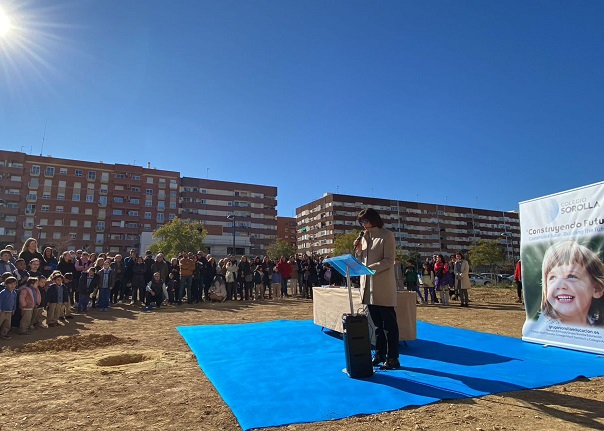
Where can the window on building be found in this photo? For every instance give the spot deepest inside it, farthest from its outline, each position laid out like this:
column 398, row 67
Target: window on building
column 160, row 218
column 35, row 170
column 147, row 215
column 161, row 205
column 100, row 225
column 135, row 201
column 73, row 223
column 172, row 205
column 149, row 192
column 86, row 236
column 59, row 209
column 148, row 203
column 103, row 201
column 61, row 196
column 75, row 197
column 79, row 172
column 118, row 200
column 58, row 222
column 171, row 217
column 149, row 180
column 45, row 208
column 89, row 198
column 87, row 223
column 104, row 176
column 117, row 212
column 133, row 213
column 92, row 175
column 136, row 177
column 75, row 210
column 56, row 235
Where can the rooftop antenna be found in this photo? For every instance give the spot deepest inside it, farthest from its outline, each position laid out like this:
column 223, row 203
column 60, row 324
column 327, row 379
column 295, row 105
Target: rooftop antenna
column 43, row 138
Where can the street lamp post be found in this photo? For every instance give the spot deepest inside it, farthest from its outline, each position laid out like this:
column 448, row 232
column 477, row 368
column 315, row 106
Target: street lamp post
column 39, row 227
column 507, row 249
column 232, row 217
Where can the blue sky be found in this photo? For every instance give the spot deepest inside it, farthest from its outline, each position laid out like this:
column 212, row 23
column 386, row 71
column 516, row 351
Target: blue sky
column 469, row 103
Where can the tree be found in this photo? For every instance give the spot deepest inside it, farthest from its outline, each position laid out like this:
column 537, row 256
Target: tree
column 280, row 248
column 488, row 253
column 179, row 236
column 342, row 244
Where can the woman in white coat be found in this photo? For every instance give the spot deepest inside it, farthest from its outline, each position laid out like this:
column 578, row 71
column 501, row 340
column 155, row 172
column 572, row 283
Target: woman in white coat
column 462, row 278
column 377, row 250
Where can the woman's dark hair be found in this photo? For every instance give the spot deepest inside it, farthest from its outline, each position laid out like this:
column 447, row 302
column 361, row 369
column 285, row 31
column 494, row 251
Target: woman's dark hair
column 371, row 216
column 459, row 253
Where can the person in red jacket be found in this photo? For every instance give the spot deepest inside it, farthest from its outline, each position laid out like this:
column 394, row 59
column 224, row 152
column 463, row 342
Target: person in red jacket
column 285, row 269
column 518, row 280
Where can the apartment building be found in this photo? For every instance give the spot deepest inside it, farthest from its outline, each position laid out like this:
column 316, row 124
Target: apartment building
column 418, row 227
column 286, row 230
column 235, row 214
column 108, row 207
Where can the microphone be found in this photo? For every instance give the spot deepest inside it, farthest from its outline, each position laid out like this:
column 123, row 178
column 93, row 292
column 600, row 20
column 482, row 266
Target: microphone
column 359, row 238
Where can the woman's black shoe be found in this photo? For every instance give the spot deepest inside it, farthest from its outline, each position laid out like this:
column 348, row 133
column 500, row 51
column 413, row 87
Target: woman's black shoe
column 391, row 364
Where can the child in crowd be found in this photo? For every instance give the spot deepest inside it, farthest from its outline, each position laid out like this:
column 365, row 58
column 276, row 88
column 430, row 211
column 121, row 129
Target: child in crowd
column 411, row 280
column 428, row 283
column 573, row 285
column 28, row 300
column 20, row 272
column 276, row 284
column 5, row 264
column 173, row 285
column 38, row 318
column 106, row 283
column 8, row 305
column 86, row 285
column 56, row 295
column 258, row 286
column 65, row 312
column 34, row 268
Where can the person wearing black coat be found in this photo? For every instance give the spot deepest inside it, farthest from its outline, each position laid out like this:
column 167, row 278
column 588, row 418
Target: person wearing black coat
column 86, row 285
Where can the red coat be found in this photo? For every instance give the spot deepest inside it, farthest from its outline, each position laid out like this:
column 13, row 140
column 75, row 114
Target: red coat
column 285, row 269
column 518, row 272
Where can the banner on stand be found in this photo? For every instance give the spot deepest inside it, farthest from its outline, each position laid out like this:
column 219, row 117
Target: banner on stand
column 561, row 249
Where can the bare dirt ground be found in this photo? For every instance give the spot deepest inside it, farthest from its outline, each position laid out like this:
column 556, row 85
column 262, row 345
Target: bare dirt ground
column 130, row 370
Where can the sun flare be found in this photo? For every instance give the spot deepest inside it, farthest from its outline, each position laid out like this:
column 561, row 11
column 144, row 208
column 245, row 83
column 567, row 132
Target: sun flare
column 5, row 24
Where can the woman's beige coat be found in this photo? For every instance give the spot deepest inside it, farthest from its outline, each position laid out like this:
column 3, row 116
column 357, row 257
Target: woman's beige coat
column 378, row 253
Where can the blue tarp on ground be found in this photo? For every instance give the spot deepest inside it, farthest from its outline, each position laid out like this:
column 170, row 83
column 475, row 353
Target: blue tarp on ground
column 284, row 372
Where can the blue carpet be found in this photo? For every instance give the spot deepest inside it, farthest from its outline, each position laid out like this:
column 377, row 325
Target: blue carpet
column 284, row 372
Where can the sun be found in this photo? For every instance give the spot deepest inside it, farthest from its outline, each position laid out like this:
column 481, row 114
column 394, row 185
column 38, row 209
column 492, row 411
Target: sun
column 5, row 24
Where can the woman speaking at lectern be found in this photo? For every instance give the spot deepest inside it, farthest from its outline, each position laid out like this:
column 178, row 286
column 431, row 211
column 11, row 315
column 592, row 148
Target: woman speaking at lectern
column 376, row 247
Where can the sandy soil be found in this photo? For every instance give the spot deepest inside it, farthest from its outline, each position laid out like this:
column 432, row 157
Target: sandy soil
column 130, row 370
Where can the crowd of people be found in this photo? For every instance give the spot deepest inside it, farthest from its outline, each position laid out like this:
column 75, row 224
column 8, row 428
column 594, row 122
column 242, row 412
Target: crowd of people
column 38, row 289
column 440, row 280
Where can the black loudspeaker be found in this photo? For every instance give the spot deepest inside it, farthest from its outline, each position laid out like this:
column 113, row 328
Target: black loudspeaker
column 357, row 346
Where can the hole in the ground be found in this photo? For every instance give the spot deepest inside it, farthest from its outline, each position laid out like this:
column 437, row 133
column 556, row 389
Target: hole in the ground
column 123, row 359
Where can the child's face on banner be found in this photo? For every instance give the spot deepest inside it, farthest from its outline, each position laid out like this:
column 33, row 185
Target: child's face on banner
column 570, row 290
